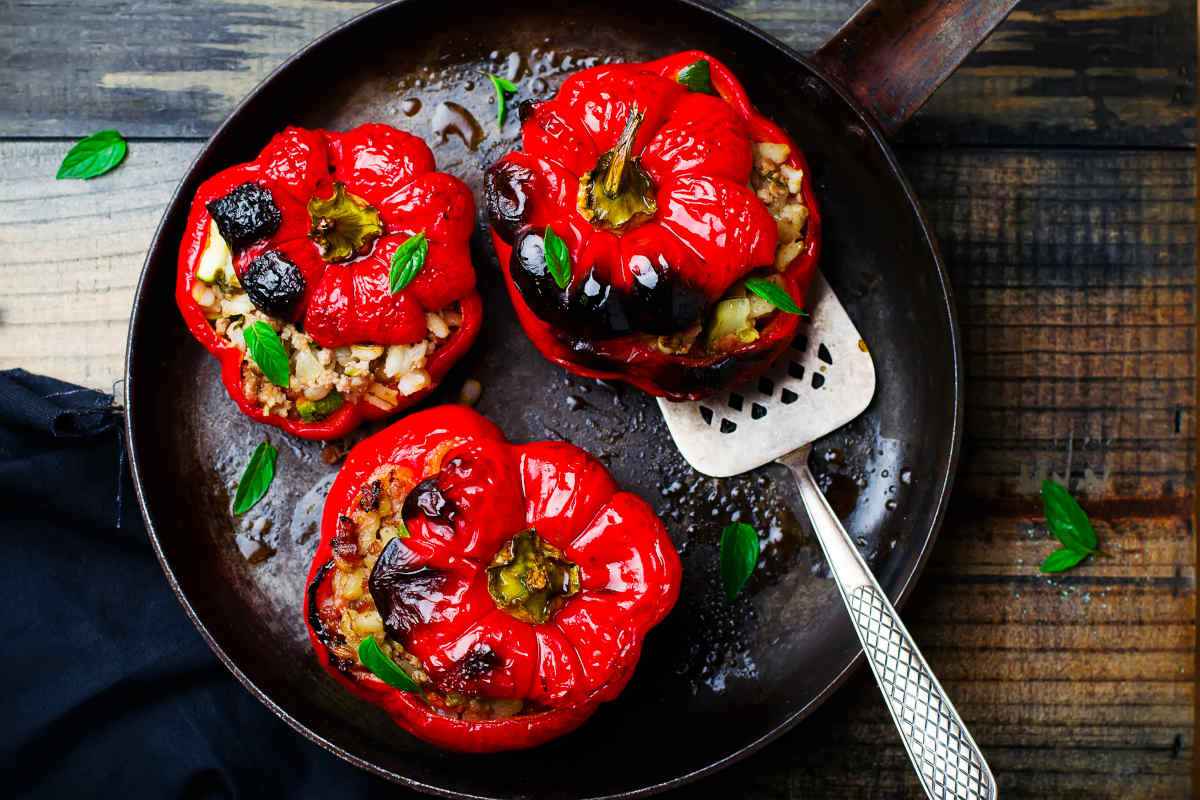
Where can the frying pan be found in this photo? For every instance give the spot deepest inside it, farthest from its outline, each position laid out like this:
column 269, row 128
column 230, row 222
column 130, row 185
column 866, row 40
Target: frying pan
column 717, row 680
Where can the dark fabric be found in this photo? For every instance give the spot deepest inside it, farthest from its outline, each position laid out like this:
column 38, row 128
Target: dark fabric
column 110, row 690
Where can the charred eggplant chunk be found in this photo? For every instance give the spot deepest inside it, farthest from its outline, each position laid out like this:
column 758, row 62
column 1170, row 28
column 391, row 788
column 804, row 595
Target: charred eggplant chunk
column 506, row 193
column 427, row 498
column 245, row 214
column 275, row 285
column 401, row 589
column 662, row 302
column 533, row 279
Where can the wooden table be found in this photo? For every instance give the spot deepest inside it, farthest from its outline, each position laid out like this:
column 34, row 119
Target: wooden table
column 1058, row 167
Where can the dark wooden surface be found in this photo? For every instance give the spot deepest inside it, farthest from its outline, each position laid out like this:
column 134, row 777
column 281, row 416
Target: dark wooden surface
column 892, row 55
column 1058, row 168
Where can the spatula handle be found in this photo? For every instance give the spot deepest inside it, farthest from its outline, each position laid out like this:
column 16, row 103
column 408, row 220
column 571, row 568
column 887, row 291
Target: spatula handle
column 946, row 758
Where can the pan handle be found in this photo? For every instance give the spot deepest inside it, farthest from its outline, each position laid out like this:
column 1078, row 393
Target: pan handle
column 892, row 54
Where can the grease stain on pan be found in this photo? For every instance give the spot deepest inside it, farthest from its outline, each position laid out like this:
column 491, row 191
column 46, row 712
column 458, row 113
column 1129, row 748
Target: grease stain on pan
column 457, row 104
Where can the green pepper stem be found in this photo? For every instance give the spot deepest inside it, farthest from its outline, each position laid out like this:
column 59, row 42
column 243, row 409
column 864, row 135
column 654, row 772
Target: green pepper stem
column 530, row 579
column 621, row 152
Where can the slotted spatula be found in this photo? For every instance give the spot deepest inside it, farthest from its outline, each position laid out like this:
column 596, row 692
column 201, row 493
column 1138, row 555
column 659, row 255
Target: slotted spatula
column 823, row 382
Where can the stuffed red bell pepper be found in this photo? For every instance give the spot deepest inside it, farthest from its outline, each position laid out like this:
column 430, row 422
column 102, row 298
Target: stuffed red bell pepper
column 655, row 228
column 331, row 276
column 487, row 595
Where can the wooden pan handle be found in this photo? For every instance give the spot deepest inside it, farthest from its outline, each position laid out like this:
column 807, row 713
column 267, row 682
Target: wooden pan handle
column 892, row 54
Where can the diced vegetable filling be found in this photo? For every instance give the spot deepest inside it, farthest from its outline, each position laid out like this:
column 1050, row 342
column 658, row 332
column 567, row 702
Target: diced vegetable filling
column 322, row 379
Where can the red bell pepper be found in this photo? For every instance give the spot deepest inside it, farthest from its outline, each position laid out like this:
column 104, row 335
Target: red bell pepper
column 513, row 584
column 309, row 228
column 668, row 189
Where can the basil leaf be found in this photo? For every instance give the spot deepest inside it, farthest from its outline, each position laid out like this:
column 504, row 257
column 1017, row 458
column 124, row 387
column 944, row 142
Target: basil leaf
column 774, row 294
column 1066, row 520
column 503, row 87
column 1062, row 560
column 697, row 77
column 256, row 478
column 92, row 156
column 374, row 659
column 266, row 348
column 558, row 259
column 739, row 556
column 407, row 262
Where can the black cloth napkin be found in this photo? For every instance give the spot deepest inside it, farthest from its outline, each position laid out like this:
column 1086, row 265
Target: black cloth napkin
column 110, row 691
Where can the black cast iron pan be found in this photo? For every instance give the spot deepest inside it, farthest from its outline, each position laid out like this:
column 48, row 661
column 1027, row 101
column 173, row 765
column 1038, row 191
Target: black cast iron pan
column 717, row 680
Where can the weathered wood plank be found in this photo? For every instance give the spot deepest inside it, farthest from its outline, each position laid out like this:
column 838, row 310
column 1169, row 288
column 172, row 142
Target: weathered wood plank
column 75, row 250
column 1095, row 72
column 1076, row 277
column 1073, row 687
column 1058, row 71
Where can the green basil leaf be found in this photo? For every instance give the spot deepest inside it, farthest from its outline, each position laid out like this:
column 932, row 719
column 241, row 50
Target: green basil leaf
column 374, row 659
column 1066, row 520
column 502, row 84
column 739, row 556
column 774, row 294
column 256, row 478
column 1062, row 560
column 266, row 348
column 407, row 262
column 95, row 155
column 503, row 87
column 697, row 77
column 558, row 259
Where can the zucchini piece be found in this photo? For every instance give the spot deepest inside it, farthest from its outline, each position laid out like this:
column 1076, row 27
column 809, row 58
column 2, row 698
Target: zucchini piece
column 216, row 261
column 731, row 325
column 317, row 410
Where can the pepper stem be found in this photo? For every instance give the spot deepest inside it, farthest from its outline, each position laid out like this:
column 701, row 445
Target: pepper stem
column 618, row 193
column 343, row 225
column 531, row 579
column 622, row 151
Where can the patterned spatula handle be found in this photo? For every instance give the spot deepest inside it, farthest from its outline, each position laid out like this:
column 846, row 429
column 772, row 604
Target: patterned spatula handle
column 946, row 758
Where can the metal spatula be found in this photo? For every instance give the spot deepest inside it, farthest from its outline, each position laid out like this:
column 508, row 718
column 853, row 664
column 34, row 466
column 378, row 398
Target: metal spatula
column 826, row 380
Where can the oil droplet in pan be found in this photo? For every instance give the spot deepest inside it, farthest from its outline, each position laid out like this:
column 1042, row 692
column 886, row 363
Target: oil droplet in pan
column 410, row 106
column 451, row 118
column 513, row 64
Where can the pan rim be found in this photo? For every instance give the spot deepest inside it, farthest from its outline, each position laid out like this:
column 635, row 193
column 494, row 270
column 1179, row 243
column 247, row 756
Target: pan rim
column 908, row 579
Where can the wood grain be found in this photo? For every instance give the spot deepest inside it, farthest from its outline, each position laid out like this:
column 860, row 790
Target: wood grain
column 1075, row 687
column 1074, row 276
column 1113, row 72
column 74, row 250
column 1117, row 72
